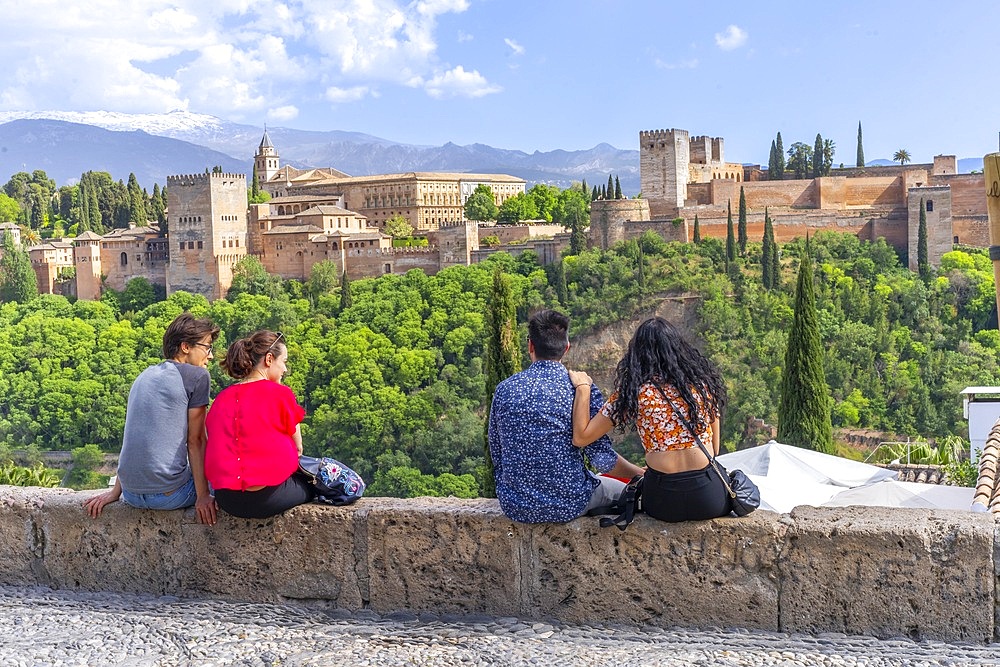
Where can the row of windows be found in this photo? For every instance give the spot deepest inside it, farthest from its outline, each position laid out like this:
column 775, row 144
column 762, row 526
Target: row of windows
column 189, row 218
column 190, row 245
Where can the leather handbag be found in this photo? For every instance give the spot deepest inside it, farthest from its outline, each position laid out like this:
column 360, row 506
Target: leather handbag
column 334, row 483
column 744, row 496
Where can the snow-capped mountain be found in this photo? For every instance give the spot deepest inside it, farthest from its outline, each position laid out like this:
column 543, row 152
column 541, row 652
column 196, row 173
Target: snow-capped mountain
column 352, row 152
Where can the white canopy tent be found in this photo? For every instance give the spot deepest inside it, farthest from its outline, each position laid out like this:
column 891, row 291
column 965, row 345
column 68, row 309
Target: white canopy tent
column 791, row 476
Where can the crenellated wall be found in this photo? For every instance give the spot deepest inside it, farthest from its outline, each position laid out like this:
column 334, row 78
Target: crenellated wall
column 877, row 571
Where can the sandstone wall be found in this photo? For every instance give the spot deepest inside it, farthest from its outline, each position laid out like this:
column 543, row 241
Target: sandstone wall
column 885, row 572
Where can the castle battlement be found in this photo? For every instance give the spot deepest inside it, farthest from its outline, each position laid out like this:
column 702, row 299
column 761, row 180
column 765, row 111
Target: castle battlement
column 190, row 179
column 660, row 135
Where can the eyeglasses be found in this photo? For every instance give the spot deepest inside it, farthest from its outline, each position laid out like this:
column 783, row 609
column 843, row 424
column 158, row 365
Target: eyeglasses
column 207, row 346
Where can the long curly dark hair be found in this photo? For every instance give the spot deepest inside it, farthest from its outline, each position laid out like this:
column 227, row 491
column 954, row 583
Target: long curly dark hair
column 658, row 354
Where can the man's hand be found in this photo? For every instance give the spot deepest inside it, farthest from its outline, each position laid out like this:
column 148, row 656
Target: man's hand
column 95, row 504
column 206, row 509
column 579, row 377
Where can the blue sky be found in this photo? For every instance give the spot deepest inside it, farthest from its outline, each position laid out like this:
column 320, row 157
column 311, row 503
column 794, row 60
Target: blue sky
column 528, row 75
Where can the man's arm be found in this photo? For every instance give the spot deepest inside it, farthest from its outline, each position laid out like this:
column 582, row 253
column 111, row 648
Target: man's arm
column 493, row 440
column 95, row 504
column 196, row 441
column 624, row 469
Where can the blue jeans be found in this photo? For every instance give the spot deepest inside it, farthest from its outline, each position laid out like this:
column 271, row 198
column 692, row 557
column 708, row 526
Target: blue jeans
column 183, row 496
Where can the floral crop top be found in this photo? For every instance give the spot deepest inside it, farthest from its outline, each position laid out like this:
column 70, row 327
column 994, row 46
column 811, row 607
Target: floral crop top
column 658, row 425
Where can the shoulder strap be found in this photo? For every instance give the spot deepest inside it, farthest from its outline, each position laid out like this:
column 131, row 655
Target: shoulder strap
column 697, row 440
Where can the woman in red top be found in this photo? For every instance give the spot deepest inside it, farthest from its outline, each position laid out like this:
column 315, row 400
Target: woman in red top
column 254, row 439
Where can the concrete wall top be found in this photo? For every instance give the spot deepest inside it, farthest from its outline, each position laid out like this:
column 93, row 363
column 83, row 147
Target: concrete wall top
column 878, row 571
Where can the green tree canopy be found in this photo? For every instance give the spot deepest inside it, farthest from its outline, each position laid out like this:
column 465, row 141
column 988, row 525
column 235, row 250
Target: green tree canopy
column 397, row 226
column 481, row 204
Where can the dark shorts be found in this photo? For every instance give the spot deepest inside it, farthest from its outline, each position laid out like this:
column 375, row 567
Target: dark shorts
column 692, row 495
column 266, row 502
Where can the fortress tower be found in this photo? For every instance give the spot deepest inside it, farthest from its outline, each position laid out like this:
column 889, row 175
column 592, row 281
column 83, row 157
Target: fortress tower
column 87, row 260
column 664, row 156
column 608, row 218
column 266, row 161
column 208, row 231
column 457, row 241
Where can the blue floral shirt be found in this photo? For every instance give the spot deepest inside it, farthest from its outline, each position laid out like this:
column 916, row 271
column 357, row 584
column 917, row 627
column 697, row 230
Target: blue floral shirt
column 540, row 475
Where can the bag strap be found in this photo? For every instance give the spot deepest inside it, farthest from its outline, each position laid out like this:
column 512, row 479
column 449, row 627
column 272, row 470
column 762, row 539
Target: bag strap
column 697, row 440
column 629, row 501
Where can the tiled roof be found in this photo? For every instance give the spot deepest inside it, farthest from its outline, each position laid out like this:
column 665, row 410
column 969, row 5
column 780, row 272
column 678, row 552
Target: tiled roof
column 293, row 229
column 987, row 488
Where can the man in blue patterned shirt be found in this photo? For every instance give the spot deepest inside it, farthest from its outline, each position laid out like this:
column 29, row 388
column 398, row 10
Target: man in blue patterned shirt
column 540, row 475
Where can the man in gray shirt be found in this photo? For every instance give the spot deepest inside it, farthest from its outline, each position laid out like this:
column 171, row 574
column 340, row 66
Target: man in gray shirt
column 162, row 462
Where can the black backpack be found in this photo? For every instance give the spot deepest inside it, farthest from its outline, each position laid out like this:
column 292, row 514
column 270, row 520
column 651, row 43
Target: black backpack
column 629, row 502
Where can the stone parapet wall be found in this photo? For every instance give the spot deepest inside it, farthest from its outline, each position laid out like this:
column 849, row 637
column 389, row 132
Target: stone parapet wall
column 883, row 572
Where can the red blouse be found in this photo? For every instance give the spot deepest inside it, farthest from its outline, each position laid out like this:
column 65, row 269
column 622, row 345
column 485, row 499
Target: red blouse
column 250, row 428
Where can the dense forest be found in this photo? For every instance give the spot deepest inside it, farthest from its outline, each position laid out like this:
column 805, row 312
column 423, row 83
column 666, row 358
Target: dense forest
column 391, row 374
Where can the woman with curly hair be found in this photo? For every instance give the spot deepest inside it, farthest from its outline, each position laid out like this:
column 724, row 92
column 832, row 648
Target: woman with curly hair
column 671, row 394
column 254, row 440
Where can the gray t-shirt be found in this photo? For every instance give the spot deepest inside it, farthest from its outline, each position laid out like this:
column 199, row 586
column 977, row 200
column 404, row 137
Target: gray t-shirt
column 154, row 448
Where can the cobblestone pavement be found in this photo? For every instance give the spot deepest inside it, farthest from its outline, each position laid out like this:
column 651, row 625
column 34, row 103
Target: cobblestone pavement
column 44, row 627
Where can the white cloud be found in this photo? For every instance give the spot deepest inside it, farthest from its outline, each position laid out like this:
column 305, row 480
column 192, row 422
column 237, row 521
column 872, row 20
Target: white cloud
column 459, row 83
column 514, row 46
column 283, row 114
column 733, row 37
column 464, row 37
column 342, row 95
column 224, row 56
column 691, row 63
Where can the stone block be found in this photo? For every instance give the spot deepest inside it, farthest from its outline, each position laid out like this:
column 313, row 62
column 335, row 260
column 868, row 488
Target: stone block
column 306, row 553
column 444, row 555
column 22, row 537
column 889, row 572
column 705, row 573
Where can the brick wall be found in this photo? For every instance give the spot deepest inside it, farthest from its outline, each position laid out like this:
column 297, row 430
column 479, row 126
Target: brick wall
column 968, row 193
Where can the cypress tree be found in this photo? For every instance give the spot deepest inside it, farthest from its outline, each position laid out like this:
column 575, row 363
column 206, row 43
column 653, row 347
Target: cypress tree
column 94, row 214
column 817, row 165
column 84, row 221
column 136, row 202
column 345, row 292
column 593, row 195
column 765, row 252
column 610, row 192
column 861, row 150
column 157, row 209
column 503, row 358
column 618, row 189
column 697, row 230
column 923, row 266
column 254, row 187
column 775, row 259
column 640, row 275
column 804, row 409
column 17, row 278
column 772, row 163
column 583, row 186
column 730, row 236
column 559, row 280
column 577, row 237
column 779, row 154
column 741, row 228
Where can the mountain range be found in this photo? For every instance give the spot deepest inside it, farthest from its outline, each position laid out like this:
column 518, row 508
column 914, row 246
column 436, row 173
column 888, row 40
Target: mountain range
column 153, row 146
column 66, row 144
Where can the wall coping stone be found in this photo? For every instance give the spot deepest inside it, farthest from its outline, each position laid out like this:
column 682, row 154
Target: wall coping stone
column 923, row 574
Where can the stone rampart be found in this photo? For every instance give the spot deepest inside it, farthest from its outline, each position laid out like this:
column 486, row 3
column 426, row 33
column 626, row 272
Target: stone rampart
column 877, row 571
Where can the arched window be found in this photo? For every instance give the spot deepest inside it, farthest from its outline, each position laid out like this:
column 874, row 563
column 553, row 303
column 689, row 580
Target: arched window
column 124, row 259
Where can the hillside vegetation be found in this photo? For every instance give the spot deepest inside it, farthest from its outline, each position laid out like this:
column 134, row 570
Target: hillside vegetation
column 393, row 383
